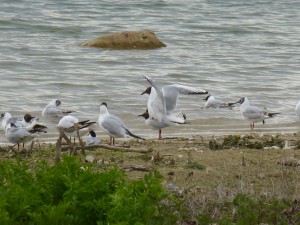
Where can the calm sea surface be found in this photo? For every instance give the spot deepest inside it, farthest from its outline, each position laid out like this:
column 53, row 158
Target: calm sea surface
column 230, row 48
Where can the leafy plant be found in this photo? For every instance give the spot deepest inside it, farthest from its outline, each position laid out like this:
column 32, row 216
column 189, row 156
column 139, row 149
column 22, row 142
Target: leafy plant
column 72, row 192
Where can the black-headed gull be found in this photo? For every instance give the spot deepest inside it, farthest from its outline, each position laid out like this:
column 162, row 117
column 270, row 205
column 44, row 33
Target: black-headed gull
column 81, row 132
column 155, row 124
column 70, row 124
column 253, row 113
column 171, row 94
column 17, row 135
column 92, row 138
column 211, row 102
column 113, row 125
column 27, row 120
column 297, row 109
column 156, row 105
column 53, row 110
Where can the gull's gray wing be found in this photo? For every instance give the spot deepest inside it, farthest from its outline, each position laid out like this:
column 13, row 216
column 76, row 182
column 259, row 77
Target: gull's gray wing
column 114, row 125
column 171, row 92
column 14, row 119
column 253, row 112
column 19, row 135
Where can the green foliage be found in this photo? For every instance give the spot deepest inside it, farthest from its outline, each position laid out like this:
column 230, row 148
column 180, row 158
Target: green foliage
column 73, row 193
column 142, row 202
column 70, row 193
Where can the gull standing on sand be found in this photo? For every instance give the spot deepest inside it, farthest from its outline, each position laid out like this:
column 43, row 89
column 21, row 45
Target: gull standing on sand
column 253, row 113
column 171, row 93
column 113, row 125
column 211, row 102
column 92, row 138
column 297, row 109
column 155, row 124
column 17, row 135
column 53, row 110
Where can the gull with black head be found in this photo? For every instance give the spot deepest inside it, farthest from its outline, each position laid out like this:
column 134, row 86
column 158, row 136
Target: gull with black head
column 27, row 120
column 171, row 93
column 155, row 124
column 17, row 135
column 54, row 110
column 92, row 138
column 113, row 125
column 211, row 102
column 252, row 113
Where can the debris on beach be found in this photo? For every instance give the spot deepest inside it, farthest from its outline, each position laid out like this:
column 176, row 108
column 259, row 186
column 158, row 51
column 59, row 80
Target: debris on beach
column 247, row 141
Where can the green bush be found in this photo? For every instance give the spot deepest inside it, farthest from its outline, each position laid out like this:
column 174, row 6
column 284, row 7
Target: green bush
column 71, row 194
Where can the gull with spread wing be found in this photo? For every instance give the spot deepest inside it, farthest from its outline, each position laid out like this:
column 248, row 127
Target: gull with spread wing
column 171, row 93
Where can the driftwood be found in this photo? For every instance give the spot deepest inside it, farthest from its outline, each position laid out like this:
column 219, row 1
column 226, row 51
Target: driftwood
column 72, row 147
column 127, row 40
column 3, row 149
column 138, row 168
column 109, row 147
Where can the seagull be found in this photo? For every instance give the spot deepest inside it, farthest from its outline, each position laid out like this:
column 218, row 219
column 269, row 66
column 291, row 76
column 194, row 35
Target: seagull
column 70, row 124
column 171, row 94
column 298, row 109
column 253, row 113
column 157, row 106
column 82, row 132
column 20, row 121
column 211, row 102
column 113, row 125
column 155, row 124
column 54, row 110
column 17, row 135
column 92, row 138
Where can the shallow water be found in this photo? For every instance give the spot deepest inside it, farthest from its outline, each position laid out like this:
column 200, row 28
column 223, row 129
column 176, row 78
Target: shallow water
column 229, row 48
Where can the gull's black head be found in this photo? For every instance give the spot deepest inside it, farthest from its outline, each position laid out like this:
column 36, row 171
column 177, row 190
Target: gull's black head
column 241, row 101
column 2, row 115
column 104, row 103
column 13, row 125
column 92, row 133
column 147, row 91
column 207, row 97
column 145, row 115
column 57, row 102
column 28, row 118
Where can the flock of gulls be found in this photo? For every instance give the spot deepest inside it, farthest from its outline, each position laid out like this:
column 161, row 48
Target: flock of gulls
column 161, row 113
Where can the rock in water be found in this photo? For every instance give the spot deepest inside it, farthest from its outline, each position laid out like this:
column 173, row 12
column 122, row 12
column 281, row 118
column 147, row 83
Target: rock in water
column 127, row 40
